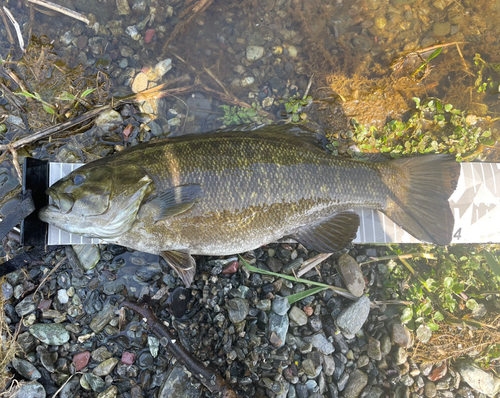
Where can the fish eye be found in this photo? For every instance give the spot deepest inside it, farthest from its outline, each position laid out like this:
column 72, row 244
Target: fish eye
column 78, row 179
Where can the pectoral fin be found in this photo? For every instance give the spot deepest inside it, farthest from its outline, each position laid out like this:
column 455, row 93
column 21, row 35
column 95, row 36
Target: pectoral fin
column 331, row 234
column 183, row 263
column 176, row 200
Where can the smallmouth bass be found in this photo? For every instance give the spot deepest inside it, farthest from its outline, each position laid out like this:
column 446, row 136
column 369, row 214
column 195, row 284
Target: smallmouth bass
column 229, row 192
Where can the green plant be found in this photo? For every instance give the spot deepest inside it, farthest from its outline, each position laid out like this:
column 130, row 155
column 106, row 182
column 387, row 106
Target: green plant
column 485, row 72
column 295, row 106
column 46, row 106
column 434, row 127
column 447, row 285
column 234, row 115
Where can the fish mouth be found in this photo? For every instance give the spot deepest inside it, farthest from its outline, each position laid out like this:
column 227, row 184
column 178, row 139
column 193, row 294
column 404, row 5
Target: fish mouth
column 63, row 202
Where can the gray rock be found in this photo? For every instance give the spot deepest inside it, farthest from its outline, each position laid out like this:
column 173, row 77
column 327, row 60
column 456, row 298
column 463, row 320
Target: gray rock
column 179, row 384
column 479, row 311
column 402, row 392
column 238, row 309
column 46, row 358
column 351, row 274
column 274, row 264
column 100, row 354
column 441, row 28
column 71, row 388
column 328, row 365
column 424, row 333
column 279, row 326
column 280, row 305
column 101, row 320
column 28, row 390
column 374, row 351
column 321, row 343
column 375, row 392
column 26, row 306
column 298, row 316
column 26, row 369
column 401, row 335
column 253, row 53
column 7, row 290
column 50, row 333
column 96, row 383
column 400, row 356
column 353, row 317
column 342, row 381
column 407, row 380
column 479, row 380
column 357, row 382
column 363, row 360
column 89, row 254
column 310, row 369
column 26, row 341
column 385, row 345
column 106, row 367
column 264, row 305
column 111, row 392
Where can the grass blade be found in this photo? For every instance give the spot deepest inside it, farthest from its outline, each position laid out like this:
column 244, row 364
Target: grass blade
column 492, row 263
column 293, row 298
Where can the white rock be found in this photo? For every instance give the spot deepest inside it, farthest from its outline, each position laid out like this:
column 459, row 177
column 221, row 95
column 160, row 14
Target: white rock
column 108, row 119
column 62, row 296
column 254, row 53
column 162, row 67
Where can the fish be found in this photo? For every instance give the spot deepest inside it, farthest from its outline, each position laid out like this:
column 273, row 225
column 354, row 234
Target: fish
column 234, row 190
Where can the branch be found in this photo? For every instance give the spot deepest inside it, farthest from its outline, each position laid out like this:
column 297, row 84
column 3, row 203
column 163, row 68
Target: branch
column 210, row 378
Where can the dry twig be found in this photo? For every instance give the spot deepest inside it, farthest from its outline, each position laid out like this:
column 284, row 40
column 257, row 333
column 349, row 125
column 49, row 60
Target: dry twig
column 61, row 9
column 210, row 378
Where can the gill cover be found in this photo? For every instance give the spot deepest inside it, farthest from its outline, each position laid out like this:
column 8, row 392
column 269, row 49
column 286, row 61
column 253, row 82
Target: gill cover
column 98, row 200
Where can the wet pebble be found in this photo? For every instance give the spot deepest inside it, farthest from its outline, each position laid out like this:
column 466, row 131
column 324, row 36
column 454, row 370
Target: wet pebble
column 321, row 343
column 26, row 369
column 140, row 82
column 353, row 317
column 29, row 390
column 81, row 360
column 280, row 305
column 106, row 367
column 238, row 309
column 351, row 274
column 178, row 383
column 26, row 306
column 89, row 381
column 357, row 382
column 50, row 333
column 278, row 328
column 253, row 53
column 298, row 316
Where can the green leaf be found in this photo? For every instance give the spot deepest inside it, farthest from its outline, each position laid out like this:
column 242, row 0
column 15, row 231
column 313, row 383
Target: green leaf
column 426, row 308
column 65, row 96
column 407, row 315
column 458, row 287
column 87, row 92
column 438, row 317
column 26, row 94
column 48, row 109
column 471, row 304
column 435, row 53
column 417, row 102
column 448, row 282
column 448, row 107
column 433, row 326
column 302, row 295
column 492, row 262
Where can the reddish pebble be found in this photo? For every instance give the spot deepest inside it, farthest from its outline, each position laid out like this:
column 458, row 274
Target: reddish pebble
column 438, row 372
column 308, row 310
column 128, row 358
column 81, row 360
column 231, row 268
column 148, row 36
column 128, row 130
column 45, row 304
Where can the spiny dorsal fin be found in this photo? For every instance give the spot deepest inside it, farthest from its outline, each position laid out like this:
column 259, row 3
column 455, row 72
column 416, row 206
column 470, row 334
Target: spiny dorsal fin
column 331, row 234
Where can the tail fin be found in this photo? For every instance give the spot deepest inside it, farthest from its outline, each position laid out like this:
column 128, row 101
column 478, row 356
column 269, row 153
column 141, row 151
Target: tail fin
column 421, row 187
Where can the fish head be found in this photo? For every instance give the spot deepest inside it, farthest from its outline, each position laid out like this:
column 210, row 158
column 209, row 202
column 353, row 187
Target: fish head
column 97, row 200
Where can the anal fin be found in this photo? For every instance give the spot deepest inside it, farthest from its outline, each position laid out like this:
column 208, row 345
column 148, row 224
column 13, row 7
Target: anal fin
column 183, row 263
column 330, row 234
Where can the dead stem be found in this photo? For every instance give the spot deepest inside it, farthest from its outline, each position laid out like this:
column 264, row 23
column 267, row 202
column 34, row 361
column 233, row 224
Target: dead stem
column 211, row 74
column 61, row 9
column 16, row 27
column 312, row 262
column 192, row 11
column 210, row 377
column 15, row 162
column 7, row 28
column 50, row 273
